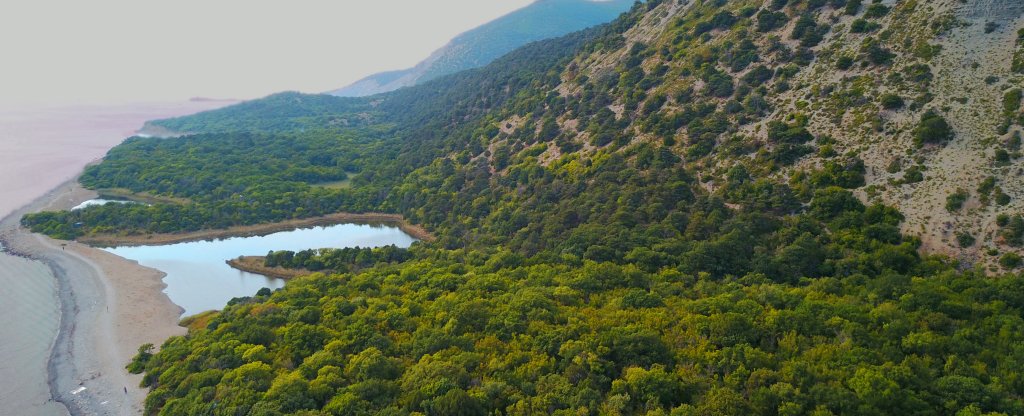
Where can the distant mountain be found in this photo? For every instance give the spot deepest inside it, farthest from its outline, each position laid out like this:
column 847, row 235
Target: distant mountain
column 544, row 19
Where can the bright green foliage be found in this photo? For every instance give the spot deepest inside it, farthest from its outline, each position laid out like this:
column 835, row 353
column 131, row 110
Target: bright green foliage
column 452, row 334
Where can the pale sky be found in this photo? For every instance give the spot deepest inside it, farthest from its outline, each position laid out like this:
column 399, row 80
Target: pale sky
column 118, row 51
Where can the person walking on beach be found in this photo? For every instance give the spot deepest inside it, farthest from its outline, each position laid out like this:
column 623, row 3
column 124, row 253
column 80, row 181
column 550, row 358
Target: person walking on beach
column 125, row 389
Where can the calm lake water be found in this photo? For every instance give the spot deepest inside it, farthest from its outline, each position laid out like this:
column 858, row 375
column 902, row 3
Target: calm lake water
column 199, row 280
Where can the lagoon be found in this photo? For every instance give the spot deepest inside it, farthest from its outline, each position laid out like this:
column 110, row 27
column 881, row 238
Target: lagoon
column 198, row 279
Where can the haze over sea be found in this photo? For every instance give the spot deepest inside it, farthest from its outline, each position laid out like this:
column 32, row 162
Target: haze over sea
column 40, row 148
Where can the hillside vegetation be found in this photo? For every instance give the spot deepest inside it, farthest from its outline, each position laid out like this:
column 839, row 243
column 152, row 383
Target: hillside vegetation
column 701, row 208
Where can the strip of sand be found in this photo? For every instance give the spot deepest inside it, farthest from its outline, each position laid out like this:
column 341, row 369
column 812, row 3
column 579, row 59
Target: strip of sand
column 109, row 306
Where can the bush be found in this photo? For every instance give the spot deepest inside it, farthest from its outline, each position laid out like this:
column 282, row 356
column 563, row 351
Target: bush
column 933, row 129
column 877, row 54
column 863, row 26
column 1010, row 260
column 852, row 7
column 965, row 239
column 876, row 10
column 891, row 101
column 956, row 200
column 914, row 174
column 844, row 62
column 768, row 21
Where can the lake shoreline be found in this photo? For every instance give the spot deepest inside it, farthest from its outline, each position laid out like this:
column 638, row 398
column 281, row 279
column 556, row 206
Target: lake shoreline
column 111, row 240
column 254, row 264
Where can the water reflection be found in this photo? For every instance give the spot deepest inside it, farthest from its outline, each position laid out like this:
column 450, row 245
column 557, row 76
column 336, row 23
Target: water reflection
column 198, row 279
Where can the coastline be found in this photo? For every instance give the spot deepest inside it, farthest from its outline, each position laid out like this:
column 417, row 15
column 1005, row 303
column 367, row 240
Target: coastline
column 108, row 307
column 110, row 240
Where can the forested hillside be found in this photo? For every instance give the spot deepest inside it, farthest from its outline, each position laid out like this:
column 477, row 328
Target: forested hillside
column 709, row 207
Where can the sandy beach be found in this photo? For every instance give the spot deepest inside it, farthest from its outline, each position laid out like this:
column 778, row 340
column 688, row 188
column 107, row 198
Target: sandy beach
column 108, row 306
column 72, row 316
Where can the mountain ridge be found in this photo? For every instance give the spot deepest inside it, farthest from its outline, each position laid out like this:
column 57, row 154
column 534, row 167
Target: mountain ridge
column 479, row 46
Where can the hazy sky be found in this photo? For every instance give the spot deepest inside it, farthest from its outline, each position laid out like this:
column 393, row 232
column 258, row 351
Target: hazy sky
column 114, row 51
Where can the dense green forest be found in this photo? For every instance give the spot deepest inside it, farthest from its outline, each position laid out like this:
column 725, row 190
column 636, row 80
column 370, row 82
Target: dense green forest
column 336, row 260
column 623, row 227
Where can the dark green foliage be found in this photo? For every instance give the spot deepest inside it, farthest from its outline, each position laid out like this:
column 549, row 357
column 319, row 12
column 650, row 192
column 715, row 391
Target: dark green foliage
column 845, row 174
column 768, row 21
column 932, row 129
column 985, row 189
column 1013, row 230
column 779, row 132
column 891, row 101
column 919, row 73
column 913, row 174
column 956, row 200
column 757, row 75
column 965, row 239
column 1002, row 198
column 741, row 56
column 719, row 84
column 808, row 31
column 876, row 10
column 1010, row 260
column 852, row 7
column 877, row 54
column 336, row 260
column 1011, row 106
column 863, row 26
column 721, row 20
column 844, row 62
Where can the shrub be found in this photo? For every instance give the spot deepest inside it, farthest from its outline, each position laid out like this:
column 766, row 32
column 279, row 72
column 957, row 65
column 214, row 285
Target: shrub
column 768, row 21
column 956, row 200
column 876, row 10
column 844, row 62
column 1002, row 198
column 933, row 129
column 852, row 7
column 863, row 26
column 913, row 174
column 1010, row 260
column 877, row 54
column 891, row 101
column 965, row 239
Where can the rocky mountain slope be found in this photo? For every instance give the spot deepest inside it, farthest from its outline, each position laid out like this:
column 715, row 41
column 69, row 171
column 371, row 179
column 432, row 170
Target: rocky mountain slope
column 543, row 19
column 860, row 77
